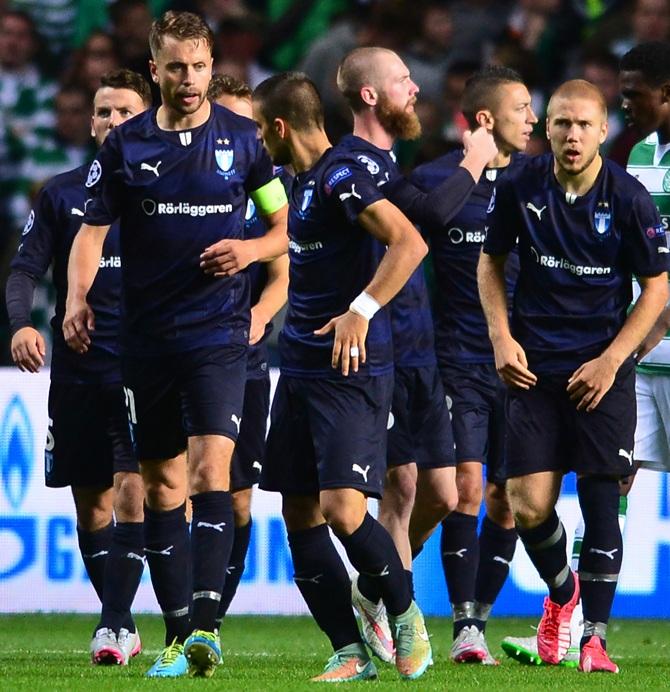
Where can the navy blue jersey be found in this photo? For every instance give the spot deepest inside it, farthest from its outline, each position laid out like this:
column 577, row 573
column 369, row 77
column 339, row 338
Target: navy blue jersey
column 332, row 259
column 411, row 319
column 577, row 257
column 47, row 237
column 176, row 193
column 461, row 333
column 254, row 227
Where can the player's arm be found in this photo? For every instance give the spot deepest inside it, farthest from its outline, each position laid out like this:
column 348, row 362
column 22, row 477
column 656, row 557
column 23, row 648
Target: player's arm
column 592, row 380
column 510, row 358
column 405, row 250
column 272, row 299
column 229, row 256
column 658, row 331
column 442, row 203
column 82, row 268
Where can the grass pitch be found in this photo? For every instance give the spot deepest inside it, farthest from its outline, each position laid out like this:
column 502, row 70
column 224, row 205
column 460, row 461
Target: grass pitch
column 50, row 652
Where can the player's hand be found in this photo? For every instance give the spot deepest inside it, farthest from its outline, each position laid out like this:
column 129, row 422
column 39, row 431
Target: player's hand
column 28, row 349
column 481, row 142
column 658, row 331
column 512, row 365
column 79, row 320
column 227, row 257
column 349, row 347
column 258, row 323
column 590, row 382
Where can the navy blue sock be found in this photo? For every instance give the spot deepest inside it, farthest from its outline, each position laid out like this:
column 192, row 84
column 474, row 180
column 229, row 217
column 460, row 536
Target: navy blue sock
column 125, row 564
column 167, row 542
column 94, row 549
column 409, row 576
column 235, row 568
column 546, row 548
column 369, row 587
column 459, row 550
column 371, row 551
column 602, row 547
column 212, row 531
column 323, row 581
column 496, row 550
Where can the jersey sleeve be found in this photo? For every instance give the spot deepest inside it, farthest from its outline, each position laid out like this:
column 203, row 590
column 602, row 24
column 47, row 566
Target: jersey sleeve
column 105, row 197
column 435, row 207
column 350, row 187
column 261, row 171
column 645, row 244
column 502, row 222
column 36, row 248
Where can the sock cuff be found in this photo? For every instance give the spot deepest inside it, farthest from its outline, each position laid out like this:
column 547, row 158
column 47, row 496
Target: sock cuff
column 84, row 534
column 362, row 532
column 243, row 530
column 307, row 537
column 211, row 498
column 500, row 532
column 460, row 519
column 129, row 533
column 548, row 530
column 177, row 514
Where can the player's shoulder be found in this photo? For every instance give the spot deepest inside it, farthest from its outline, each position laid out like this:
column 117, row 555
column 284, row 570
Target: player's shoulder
column 442, row 165
column 336, row 159
column 64, row 184
column 625, row 186
column 645, row 148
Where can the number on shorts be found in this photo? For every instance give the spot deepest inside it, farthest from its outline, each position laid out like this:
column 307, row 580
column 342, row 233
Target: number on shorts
column 50, row 437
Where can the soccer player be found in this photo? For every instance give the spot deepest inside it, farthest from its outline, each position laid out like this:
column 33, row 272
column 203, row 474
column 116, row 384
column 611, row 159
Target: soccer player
column 326, row 445
column 584, row 227
column 475, row 569
column 88, row 443
column 420, row 485
column 178, row 178
column 269, row 285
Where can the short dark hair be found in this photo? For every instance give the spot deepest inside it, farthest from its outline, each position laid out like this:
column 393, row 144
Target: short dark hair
column 227, row 84
column 183, row 26
column 292, row 96
column 481, row 90
column 651, row 59
column 127, row 79
column 119, row 7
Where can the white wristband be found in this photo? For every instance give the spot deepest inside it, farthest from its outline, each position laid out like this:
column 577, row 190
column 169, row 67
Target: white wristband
column 365, row 306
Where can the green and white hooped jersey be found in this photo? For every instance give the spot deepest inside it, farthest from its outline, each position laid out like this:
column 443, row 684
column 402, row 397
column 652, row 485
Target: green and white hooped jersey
column 649, row 162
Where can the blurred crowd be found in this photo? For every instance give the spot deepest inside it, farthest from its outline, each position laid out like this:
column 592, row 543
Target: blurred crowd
column 53, row 52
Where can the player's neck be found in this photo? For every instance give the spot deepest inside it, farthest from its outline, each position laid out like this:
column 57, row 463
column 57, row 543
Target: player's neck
column 307, row 149
column 663, row 133
column 581, row 183
column 500, row 160
column 367, row 127
column 169, row 119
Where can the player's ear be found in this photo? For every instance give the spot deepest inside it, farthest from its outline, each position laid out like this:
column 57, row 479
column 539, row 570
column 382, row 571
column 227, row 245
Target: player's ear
column 485, row 119
column 369, row 95
column 153, row 71
column 665, row 92
column 92, row 128
column 604, row 128
column 546, row 127
column 281, row 127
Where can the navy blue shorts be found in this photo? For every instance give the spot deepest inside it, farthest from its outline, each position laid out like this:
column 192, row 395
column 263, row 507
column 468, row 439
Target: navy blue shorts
column 173, row 397
column 477, row 397
column 328, row 433
column 249, row 455
column 545, row 432
column 419, row 429
column 89, row 438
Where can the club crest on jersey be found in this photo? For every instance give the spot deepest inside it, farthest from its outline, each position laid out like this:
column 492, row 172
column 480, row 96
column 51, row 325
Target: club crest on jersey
column 602, row 218
column 224, row 160
column 94, row 173
column 251, row 210
column 29, row 223
column 666, row 181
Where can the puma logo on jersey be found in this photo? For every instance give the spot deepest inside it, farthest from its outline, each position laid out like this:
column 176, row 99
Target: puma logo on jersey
column 76, row 212
column 608, row 553
column 147, row 167
column 217, row 527
column 458, row 553
column 165, row 551
column 237, row 421
column 363, row 471
column 530, row 206
column 626, row 455
column 345, row 195
column 311, row 580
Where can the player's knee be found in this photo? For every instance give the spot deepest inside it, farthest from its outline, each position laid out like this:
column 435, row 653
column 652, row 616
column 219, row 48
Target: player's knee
column 400, row 491
column 497, row 506
column 343, row 518
column 94, row 507
column 209, row 476
column 470, row 493
column 301, row 512
column 129, row 500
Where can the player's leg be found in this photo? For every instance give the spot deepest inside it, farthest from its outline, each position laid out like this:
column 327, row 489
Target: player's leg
column 247, row 462
column 605, row 439
column 319, row 573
